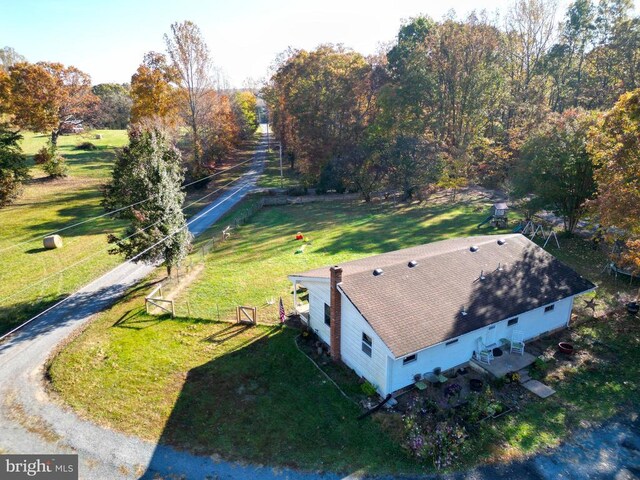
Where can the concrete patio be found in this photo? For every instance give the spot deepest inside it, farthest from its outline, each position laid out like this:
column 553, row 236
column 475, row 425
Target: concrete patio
column 507, row 362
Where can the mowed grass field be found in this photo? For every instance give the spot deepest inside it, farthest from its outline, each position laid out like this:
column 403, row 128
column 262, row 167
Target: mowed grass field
column 31, row 277
column 215, row 388
column 247, row 393
column 47, row 205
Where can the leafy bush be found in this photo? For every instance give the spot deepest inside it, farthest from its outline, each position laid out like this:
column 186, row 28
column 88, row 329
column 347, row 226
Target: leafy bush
column 43, row 155
column 478, row 405
column 500, row 382
column 297, row 191
column 368, row 389
column 538, row 368
column 86, row 146
column 513, row 377
column 452, row 390
column 440, row 442
column 51, row 162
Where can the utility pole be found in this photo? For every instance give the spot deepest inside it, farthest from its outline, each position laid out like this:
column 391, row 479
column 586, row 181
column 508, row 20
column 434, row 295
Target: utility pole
column 268, row 138
column 281, row 176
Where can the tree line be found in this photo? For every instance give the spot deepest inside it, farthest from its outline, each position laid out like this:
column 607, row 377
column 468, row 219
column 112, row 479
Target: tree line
column 520, row 103
column 183, row 123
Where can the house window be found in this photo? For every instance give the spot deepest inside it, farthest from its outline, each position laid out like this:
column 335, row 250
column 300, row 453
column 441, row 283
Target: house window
column 367, row 344
column 549, row 308
column 512, row 322
column 451, row 342
column 409, row 359
column 327, row 314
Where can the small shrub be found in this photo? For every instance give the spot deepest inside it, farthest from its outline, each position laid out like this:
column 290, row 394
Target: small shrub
column 43, row 155
column 51, row 162
column 500, row 382
column 538, row 369
column 368, row 389
column 478, row 405
column 440, row 442
column 86, row 146
column 297, row 191
column 512, row 377
column 452, row 391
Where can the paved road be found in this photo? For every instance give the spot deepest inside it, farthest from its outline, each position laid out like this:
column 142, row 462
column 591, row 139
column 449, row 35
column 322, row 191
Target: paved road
column 30, row 423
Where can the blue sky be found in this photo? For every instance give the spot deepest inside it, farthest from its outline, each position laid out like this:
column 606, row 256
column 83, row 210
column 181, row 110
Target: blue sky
column 108, row 39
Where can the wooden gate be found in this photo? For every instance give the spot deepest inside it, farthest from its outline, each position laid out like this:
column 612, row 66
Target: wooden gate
column 246, row 315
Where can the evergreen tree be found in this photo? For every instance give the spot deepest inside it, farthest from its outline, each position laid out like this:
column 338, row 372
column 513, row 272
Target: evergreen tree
column 13, row 166
column 149, row 167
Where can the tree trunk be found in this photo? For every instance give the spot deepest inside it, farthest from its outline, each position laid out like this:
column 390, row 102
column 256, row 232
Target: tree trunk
column 196, row 144
column 54, row 137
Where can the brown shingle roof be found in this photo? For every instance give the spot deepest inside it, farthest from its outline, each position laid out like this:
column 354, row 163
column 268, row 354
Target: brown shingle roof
column 413, row 308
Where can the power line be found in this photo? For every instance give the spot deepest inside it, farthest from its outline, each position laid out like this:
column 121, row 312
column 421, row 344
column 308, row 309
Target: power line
column 133, row 259
column 31, row 239
column 95, row 254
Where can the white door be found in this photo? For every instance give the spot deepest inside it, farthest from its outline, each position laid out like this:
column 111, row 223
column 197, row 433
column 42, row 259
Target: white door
column 490, row 336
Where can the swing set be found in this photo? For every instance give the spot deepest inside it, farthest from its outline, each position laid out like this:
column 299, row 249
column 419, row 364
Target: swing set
column 532, row 229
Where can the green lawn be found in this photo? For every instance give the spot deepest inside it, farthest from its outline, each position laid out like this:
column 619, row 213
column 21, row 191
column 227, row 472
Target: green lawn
column 215, row 388
column 47, row 205
column 271, row 175
column 252, row 269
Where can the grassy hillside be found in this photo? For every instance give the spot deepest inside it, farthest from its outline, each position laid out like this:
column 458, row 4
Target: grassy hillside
column 47, row 205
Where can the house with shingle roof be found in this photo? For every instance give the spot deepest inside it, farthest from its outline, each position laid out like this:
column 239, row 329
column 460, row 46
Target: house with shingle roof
column 410, row 312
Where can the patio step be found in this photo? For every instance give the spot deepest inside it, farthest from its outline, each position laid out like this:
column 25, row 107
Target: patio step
column 524, row 376
column 539, row 388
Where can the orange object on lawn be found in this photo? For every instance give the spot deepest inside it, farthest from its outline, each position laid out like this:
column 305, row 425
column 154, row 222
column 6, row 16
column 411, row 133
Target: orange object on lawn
column 299, row 236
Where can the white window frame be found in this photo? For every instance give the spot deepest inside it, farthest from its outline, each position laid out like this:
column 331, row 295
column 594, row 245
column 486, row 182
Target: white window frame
column 409, row 359
column 367, row 344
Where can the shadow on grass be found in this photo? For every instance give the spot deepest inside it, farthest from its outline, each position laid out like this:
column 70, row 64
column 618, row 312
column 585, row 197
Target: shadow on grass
column 31, row 251
column 71, row 309
column 227, row 333
column 262, row 402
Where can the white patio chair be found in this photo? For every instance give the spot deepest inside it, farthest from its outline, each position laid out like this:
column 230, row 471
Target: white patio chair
column 483, row 354
column 517, row 342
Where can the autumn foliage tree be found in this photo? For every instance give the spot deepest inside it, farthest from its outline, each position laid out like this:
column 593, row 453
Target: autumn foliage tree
column 320, row 103
column 49, row 97
column 555, row 167
column 154, row 91
column 615, row 147
column 191, row 60
column 244, row 106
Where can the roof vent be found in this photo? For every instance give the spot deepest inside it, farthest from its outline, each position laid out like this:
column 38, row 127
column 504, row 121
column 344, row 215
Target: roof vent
column 482, row 277
column 463, row 312
column 501, row 241
column 474, row 248
column 377, row 272
column 412, row 263
column 500, row 267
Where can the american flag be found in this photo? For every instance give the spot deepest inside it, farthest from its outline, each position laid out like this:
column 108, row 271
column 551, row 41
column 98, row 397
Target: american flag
column 283, row 315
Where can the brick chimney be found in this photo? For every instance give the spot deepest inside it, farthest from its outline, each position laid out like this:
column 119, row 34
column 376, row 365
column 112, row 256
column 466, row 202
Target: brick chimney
column 335, row 312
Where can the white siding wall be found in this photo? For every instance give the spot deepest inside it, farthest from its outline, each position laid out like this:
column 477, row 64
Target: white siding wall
column 374, row 367
column 389, row 374
column 319, row 294
column 531, row 324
